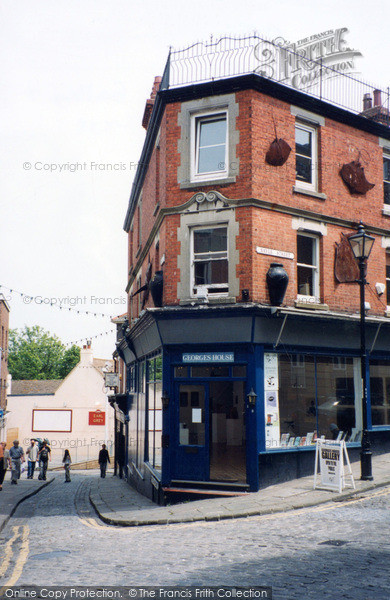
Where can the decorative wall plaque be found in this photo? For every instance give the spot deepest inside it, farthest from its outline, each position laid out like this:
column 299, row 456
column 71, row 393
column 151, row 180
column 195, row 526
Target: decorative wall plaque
column 354, row 178
column 346, row 269
column 278, row 153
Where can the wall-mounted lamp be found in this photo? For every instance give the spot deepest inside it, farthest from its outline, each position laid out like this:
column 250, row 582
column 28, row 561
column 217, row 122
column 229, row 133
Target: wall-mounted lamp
column 165, row 400
column 252, row 396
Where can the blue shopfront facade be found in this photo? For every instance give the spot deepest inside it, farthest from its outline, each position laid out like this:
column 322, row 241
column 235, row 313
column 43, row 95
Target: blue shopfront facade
column 233, row 398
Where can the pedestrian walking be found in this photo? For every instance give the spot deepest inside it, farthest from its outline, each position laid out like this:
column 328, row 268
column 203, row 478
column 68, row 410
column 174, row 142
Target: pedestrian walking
column 32, row 455
column 43, row 457
column 4, row 461
column 67, row 462
column 104, row 458
column 16, row 455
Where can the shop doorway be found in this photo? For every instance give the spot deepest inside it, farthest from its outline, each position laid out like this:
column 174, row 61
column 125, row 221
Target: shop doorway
column 211, row 432
column 227, row 431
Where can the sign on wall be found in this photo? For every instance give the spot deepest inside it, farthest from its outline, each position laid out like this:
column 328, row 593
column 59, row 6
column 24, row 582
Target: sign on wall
column 271, row 403
column 272, row 252
column 111, row 380
column 329, row 472
column 97, row 417
column 52, row 420
column 208, row 357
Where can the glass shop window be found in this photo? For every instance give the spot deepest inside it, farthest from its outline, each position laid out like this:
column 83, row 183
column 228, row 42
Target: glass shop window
column 380, row 392
column 316, row 398
column 210, row 371
column 388, row 278
column 155, row 412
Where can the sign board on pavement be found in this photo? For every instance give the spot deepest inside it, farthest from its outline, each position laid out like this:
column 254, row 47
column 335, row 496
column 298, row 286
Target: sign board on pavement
column 330, row 466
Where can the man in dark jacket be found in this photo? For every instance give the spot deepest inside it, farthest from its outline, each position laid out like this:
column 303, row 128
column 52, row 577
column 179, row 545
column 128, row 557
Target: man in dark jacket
column 104, row 458
column 44, row 455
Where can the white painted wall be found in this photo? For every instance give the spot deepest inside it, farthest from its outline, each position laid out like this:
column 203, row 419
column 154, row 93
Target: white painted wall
column 81, row 391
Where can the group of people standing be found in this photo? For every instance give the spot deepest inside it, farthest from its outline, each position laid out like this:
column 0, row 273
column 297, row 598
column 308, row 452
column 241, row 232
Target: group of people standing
column 14, row 459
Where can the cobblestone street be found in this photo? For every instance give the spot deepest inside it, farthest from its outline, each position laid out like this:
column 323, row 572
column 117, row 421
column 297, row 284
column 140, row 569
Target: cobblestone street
column 335, row 551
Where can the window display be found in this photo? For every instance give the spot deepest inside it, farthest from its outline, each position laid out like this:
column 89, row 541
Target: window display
column 309, row 397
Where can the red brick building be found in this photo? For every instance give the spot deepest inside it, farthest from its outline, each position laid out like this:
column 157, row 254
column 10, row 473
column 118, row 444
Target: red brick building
column 226, row 386
column 4, row 330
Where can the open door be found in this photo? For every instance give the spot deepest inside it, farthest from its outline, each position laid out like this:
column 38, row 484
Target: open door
column 227, row 431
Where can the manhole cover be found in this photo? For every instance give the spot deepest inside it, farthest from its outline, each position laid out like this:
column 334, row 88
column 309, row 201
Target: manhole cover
column 333, row 543
column 46, row 555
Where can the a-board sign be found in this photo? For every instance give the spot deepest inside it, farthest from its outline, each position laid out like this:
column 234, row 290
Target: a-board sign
column 331, row 462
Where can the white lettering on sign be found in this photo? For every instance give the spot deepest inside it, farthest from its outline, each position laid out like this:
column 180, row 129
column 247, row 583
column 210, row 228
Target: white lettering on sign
column 202, row 357
column 271, row 252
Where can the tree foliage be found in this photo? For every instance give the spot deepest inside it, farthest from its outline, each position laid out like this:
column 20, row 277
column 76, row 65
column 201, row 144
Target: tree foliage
column 36, row 354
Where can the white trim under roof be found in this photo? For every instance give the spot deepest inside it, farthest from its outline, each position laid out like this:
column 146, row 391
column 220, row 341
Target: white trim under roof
column 301, row 224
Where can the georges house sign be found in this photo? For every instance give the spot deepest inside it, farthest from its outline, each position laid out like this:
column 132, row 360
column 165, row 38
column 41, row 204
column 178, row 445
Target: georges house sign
column 208, row 357
column 300, row 64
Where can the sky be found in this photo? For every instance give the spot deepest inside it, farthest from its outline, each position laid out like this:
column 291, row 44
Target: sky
column 75, row 76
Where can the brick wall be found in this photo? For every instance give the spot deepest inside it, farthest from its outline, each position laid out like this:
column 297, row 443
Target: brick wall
column 259, row 116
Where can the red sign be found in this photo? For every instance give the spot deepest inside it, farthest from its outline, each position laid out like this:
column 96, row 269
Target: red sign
column 97, row 418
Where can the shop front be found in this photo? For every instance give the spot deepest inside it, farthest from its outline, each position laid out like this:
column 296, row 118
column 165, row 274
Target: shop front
column 244, row 411
column 209, row 436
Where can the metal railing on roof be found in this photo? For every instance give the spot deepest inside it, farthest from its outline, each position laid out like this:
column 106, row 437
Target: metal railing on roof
column 275, row 60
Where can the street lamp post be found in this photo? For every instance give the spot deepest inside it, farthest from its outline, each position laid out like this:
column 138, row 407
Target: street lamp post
column 361, row 244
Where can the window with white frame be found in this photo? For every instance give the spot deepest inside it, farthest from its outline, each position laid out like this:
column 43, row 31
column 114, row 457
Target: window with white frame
column 306, row 156
column 210, row 260
column 388, row 277
column 308, row 265
column 210, row 148
column 386, row 179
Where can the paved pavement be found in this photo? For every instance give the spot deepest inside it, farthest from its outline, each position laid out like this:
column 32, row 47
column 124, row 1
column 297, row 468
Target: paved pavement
column 118, row 504
column 12, row 495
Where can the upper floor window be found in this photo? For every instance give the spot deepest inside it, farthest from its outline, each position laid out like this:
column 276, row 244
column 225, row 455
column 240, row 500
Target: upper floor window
column 388, row 278
column 210, row 260
column 386, row 179
column 306, row 156
column 210, row 146
column 308, row 265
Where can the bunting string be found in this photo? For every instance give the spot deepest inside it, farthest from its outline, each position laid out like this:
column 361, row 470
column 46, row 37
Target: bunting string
column 65, row 303
column 88, row 338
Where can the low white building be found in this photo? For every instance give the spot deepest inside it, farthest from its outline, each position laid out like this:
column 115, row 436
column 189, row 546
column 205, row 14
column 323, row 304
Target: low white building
column 71, row 413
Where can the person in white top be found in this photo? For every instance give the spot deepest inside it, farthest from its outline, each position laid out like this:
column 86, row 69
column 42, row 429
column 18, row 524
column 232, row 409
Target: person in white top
column 32, row 453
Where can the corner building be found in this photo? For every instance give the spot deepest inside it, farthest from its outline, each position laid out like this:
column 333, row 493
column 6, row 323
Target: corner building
column 226, row 387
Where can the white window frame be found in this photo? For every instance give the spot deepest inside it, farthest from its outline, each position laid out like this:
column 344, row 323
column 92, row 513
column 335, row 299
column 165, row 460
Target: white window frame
column 387, row 278
column 315, row 268
column 196, row 121
column 386, row 156
column 211, row 288
column 313, row 186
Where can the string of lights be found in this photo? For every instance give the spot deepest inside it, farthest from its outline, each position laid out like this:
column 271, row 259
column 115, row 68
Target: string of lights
column 88, row 338
column 61, row 303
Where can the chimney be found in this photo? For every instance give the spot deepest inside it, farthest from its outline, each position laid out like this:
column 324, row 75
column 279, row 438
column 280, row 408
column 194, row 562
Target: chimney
column 367, row 102
column 150, row 102
column 86, row 355
column 377, row 98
